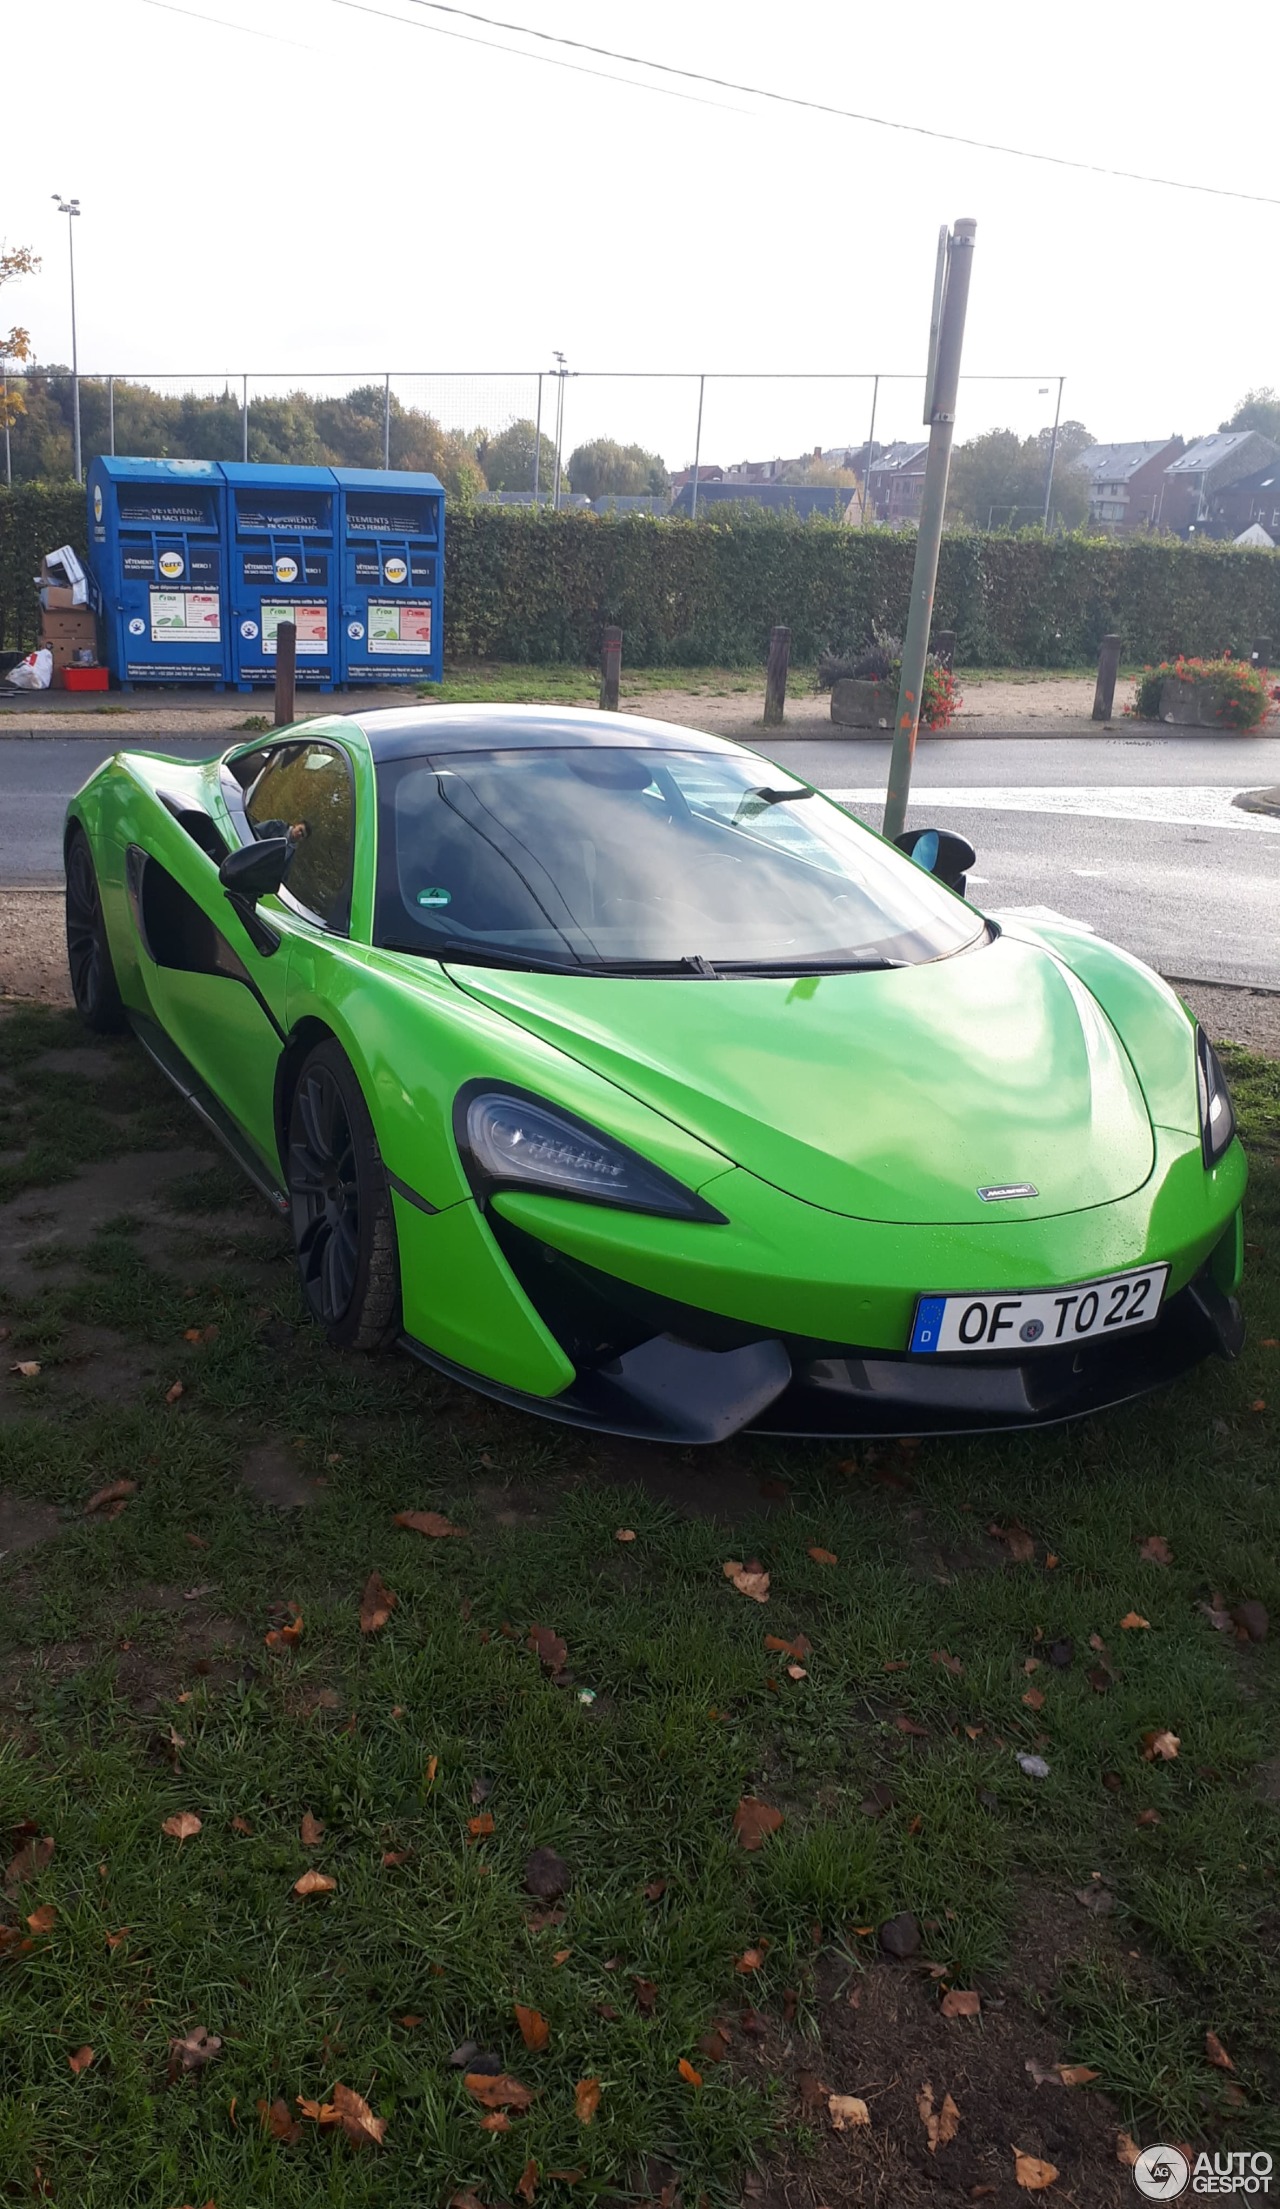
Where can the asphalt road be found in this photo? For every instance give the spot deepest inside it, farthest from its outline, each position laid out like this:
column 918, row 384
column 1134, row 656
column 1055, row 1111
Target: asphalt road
column 1136, row 836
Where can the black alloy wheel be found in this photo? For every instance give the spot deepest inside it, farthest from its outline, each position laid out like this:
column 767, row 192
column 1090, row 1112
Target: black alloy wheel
column 93, row 980
column 343, row 1228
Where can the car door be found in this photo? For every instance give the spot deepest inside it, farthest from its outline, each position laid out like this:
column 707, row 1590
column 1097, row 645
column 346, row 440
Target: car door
column 221, row 981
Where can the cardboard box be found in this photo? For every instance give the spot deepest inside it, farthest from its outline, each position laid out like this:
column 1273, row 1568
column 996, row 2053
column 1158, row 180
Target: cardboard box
column 61, row 572
column 76, row 625
column 58, row 598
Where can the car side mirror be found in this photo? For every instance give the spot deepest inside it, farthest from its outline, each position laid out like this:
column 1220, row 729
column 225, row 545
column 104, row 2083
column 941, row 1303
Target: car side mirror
column 940, row 852
column 256, row 870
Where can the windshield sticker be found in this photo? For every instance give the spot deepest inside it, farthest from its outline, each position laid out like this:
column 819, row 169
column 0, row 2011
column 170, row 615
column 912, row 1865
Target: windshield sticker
column 435, row 897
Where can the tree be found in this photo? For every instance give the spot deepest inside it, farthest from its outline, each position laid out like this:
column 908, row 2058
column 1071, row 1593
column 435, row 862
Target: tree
column 820, row 474
column 998, row 481
column 628, row 471
column 15, row 344
column 507, row 459
column 1258, row 410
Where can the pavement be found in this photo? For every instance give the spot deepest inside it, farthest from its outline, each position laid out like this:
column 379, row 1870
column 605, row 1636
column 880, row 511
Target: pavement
column 1137, row 835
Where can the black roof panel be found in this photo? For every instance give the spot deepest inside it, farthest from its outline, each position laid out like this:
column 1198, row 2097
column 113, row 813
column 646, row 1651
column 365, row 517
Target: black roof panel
column 405, row 732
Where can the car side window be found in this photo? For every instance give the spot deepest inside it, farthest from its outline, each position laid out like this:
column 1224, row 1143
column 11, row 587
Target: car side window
column 310, row 786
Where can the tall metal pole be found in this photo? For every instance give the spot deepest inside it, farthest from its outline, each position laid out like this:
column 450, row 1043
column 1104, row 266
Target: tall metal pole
column 871, row 447
column 537, row 444
column 560, row 374
column 111, row 413
column 8, row 456
column 244, row 418
column 1053, row 452
column 940, row 413
column 697, row 450
column 386, row 422
column 71, row 208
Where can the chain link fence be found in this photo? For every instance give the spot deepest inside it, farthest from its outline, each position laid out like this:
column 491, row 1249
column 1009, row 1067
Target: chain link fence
column 731, row 421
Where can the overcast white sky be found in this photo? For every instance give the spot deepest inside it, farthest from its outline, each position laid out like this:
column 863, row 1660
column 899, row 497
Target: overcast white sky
column 351, row 194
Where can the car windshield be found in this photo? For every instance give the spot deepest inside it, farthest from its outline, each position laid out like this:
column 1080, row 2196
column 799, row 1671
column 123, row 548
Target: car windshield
column 605, row 860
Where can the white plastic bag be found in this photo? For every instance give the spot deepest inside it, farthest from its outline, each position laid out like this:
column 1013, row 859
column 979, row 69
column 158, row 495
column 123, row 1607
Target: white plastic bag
column 33, row 673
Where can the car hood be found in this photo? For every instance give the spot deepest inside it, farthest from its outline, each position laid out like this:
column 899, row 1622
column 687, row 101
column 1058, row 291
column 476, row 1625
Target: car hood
column 889, row 1096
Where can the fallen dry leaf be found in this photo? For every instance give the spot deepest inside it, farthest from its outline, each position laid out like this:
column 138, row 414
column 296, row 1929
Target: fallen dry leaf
column 31, row 1858
column 1147, row 1817
column 799, row 1648
column 1161, row 1744
column 655, row 1890
column 1019, row 1543
column 527, row 2183
column 314, row 1883
column 114, row 1940
column 1031, row 2173
column 625, row 1534
column 171, row 1395
column 311, row 1830
column 961, row 2002
column 117, row 1492
column 823, row 1556
column 498, row 2121
column 277, row 2121
column 845, row 2110
column 393, row 1858
column 1127, row 2150
column 646, row 1994
column 321, row 2113
column 747, row 1579
column 548, row 1647
column 751, row 1959
column 1034, row 1699
column 1213, row 2048
column 753, row 1820
column 1156, row 1550
column 687, row 2072
column 358, row 2122
column 480, row 1827
column 500, row 2092
column 1132, row 1623
column 947, row 1661
column 81, row 2060
column 432, row 1523
column 44, row 1919
column 191, row 2052
column 1076, row 2074
column 534, row 2029
column 942, row 2127
column 284, row 1637
column 715, row 2045
column 182, row 1826
column 26, row 1368
column 586, row 2100
column 240, row 1825
column 376, row 1604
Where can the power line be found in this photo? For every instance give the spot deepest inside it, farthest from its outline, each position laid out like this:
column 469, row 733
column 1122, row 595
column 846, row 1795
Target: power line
column 550, row 61
column 815, row 107
column 222, row 24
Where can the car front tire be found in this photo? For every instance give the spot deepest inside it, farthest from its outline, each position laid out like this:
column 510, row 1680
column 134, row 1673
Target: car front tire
column 343, row 1226
column 93, row 977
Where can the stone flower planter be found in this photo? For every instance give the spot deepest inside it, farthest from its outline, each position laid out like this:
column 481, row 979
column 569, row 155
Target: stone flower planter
column 864, row 705
column 1193, row 705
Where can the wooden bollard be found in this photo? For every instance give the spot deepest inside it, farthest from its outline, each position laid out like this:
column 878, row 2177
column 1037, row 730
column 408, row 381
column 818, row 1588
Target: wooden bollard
column 610, row 670
column 775, row 680
column 1104, row 695
column 286, row 667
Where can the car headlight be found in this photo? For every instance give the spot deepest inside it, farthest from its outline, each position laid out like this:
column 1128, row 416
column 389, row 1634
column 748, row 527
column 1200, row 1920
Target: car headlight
column 1217, row 1113
column 508, row 1140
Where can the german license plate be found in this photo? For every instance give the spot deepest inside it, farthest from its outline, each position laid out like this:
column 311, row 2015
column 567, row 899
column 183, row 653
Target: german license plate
column 1043, row 1319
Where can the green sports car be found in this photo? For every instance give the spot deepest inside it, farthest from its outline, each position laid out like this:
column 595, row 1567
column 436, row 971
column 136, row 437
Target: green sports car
column 613, row 1070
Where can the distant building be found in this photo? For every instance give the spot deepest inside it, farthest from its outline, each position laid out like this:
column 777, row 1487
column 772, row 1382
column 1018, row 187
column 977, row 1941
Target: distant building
column 895, row 485
column 802, row 499
column 706, row 474
column 1252, row 501
column 1200, row 475
column 1125, row 482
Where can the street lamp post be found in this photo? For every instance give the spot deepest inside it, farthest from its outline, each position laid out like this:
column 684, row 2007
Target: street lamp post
column 71, row 208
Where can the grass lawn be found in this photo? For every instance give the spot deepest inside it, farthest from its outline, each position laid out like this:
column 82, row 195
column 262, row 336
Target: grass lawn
column 193, row 1650
column 478, row 682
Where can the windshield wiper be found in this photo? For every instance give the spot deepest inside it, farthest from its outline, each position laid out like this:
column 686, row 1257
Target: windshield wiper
column 756, row 800
column 832, row 965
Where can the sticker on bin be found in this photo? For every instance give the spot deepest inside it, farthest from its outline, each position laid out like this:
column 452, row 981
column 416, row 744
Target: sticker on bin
column 309, row 617
column 1041, row 1320
column 399, row 625
column 184, row 617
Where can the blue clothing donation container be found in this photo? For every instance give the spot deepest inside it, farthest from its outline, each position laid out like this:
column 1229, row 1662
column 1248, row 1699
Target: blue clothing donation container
column 391, row 535
column 280, row 532
column 158, row 568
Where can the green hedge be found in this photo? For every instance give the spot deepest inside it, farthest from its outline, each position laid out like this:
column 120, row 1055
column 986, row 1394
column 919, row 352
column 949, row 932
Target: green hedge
column 539, row 587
